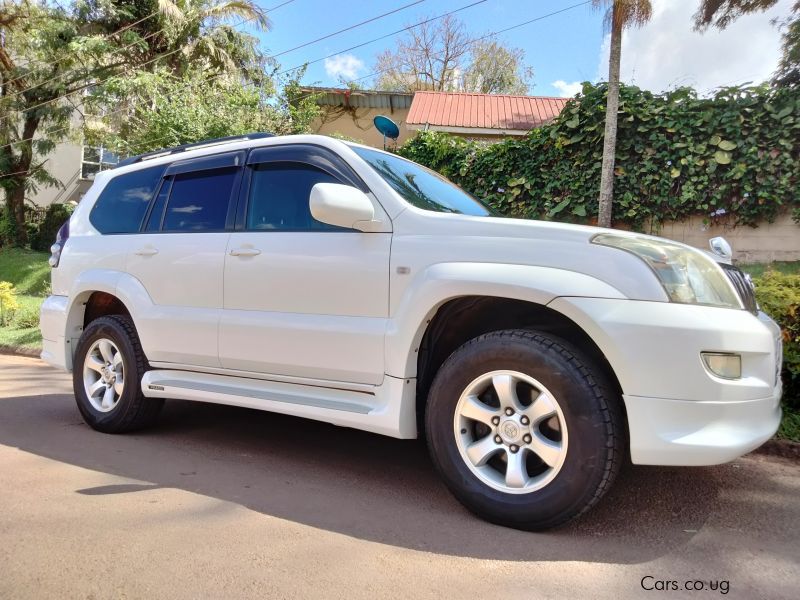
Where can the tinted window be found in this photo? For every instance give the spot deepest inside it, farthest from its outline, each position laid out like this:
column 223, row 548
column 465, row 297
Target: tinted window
column 123, row 202
column 154, row 220
column 199, row 201
column 420, row 186
column 279, row 194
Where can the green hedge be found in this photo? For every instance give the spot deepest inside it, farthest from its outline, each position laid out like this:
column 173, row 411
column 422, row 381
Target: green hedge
column 779, row 296
column 43, row 235
column 677, row 155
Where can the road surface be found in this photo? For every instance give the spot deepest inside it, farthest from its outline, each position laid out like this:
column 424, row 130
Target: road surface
column 221, row 502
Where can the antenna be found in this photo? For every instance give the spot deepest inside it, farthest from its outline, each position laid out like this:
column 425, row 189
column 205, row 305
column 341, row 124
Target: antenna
column 387, row 127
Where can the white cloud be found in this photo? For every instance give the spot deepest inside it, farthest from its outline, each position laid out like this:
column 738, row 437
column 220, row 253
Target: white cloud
column 567, row 90
column 346, row 66
column 668, row 53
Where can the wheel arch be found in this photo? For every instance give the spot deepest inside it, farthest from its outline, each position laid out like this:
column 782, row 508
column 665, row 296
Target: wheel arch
column 460, row 319
column 97, row 293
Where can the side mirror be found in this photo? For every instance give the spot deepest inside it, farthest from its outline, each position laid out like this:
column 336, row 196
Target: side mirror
column 721, row 248
column 341, row 205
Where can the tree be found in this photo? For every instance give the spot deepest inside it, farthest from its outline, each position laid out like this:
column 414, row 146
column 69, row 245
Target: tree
column 46, row 56
column 495, row 69
column 788, row 73
column 721, row 13
column 165, row 109
column 430, row 57
column 50, row 57
column 439, row 56
column 619, row 15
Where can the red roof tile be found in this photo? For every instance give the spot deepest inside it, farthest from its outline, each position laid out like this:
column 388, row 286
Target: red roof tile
column 482, row 111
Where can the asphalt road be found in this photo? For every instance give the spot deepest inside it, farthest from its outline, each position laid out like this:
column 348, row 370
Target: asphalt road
column 221, row 502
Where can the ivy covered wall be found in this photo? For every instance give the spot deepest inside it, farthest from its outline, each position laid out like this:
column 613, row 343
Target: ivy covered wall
column 735, row 156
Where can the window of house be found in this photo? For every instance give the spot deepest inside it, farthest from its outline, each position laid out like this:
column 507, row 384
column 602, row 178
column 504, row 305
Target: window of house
column 199, row 200
column 279, row 194
column 96, row 159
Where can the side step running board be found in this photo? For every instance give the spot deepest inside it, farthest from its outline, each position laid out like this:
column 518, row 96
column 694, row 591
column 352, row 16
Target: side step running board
column 251, row 393
column 389, row 410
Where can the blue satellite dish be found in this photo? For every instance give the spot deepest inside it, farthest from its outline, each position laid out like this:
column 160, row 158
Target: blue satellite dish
column 387, row 127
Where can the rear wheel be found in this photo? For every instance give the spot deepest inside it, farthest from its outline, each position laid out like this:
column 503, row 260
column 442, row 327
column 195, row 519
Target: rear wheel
column 524, row 431
column 108, row 368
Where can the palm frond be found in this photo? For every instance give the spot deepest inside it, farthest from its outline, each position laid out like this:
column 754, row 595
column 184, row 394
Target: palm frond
column 631, row 13
column 171, row 11
column 239, row 8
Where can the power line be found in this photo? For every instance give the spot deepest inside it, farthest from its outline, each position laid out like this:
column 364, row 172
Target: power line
column 383, row 37
column 472, row 41
column 373, row 74
column 117, row 32
column 330, row 35
column 102, row 81
column 123, row 48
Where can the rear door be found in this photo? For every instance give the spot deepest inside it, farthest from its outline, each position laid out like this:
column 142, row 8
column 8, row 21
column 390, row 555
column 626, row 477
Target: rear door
column 302, row 298
column 180, row 257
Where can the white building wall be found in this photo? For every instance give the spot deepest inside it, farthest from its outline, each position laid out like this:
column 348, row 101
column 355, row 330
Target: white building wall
column 64, row 164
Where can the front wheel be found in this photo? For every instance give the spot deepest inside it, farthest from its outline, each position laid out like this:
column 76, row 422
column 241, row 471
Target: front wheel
column 524, row 431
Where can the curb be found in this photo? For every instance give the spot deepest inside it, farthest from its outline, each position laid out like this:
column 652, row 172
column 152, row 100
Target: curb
column 14, row 351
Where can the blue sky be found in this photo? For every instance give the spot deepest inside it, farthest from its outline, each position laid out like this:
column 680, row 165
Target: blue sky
column 562, row 47
column 563, row 50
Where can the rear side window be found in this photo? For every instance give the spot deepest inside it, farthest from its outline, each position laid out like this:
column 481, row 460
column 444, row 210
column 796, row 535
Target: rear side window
column 199, row 200
column 279, row 194
column 123, row 202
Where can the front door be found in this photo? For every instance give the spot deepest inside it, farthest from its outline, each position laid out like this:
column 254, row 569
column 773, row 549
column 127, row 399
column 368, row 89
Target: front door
column 302, row 298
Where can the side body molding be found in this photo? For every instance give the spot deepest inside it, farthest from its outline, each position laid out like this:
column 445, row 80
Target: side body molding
column 441, row 282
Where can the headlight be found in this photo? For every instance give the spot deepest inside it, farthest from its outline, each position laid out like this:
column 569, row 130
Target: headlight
column 688, row 276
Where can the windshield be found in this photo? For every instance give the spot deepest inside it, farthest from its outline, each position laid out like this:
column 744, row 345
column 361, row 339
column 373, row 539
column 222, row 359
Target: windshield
column 422, row 187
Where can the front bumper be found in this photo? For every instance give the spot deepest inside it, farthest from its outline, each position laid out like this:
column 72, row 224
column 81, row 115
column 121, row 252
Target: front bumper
column 679, row 413
column 691, row 433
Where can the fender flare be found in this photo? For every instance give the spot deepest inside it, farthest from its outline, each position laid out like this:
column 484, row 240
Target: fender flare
column 442, row 282
column 123, row 286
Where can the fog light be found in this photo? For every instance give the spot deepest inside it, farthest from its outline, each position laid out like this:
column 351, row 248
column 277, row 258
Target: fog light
column 727, row 366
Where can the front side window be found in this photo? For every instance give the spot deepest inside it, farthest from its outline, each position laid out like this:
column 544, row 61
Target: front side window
column 121, row 205
column 199, row 200
column 421, row 187
column 279, row 194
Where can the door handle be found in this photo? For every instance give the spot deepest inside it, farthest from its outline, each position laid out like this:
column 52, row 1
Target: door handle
column 245, row 252
column 146, row 251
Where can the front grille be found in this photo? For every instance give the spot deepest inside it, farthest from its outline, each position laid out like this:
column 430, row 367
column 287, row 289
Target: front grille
column 744, row 286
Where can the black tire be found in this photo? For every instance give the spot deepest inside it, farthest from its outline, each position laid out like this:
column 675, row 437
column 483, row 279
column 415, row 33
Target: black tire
column 133, row 410
column 591, row 411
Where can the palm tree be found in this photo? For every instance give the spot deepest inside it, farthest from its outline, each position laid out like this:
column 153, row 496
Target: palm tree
column 205, row 32
column 619, row 15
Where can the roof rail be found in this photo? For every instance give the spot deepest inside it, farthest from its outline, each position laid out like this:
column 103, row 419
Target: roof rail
column 184, row 147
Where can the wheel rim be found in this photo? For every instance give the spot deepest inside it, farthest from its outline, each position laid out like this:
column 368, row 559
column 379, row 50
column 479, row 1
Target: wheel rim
column 510, row 432
column 104, row 375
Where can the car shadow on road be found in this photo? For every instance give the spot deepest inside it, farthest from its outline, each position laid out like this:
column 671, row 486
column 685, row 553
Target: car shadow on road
column 351, row 482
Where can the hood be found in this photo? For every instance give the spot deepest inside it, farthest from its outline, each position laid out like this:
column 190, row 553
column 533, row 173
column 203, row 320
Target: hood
column 445, row 237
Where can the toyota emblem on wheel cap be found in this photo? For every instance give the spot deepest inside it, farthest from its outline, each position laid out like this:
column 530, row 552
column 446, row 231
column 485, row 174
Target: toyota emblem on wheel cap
column 510, row 430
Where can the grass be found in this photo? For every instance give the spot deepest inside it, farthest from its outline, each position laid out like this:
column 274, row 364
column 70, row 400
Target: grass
column 790, row 425
column 29, row 272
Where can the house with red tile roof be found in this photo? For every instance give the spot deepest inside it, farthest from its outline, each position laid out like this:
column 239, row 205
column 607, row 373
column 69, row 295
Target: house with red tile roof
column 350, row 113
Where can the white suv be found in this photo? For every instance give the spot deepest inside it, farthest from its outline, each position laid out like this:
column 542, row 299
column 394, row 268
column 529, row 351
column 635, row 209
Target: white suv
column 317, row 278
